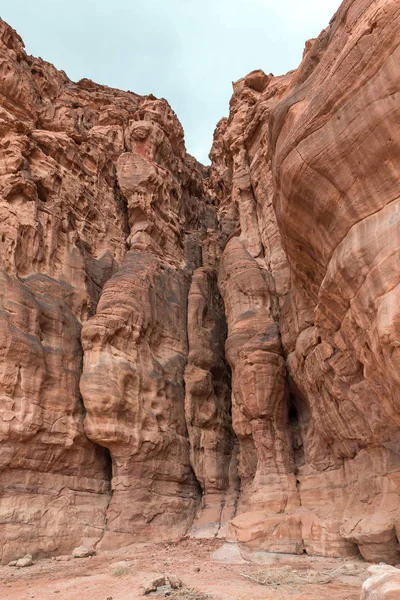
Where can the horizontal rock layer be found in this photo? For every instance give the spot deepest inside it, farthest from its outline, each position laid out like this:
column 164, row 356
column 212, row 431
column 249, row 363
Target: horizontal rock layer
column 211, row 351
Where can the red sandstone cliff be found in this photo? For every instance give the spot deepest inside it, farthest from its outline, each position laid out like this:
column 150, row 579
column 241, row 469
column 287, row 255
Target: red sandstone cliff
column 212, row 351
column 100, row 205
column 309, row 165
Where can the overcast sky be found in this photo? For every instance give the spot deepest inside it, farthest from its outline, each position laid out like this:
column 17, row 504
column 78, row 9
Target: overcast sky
column 187, row 51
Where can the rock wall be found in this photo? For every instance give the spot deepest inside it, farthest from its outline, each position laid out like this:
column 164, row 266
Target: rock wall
column 307, row 172
column 213, row 448
column 101, row 214
column 211, row 351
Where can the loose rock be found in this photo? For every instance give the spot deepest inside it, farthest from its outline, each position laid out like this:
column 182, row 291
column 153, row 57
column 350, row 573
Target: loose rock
column 83, row 552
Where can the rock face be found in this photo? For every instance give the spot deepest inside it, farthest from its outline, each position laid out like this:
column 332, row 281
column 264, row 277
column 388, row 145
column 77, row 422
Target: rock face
column 96, row 187
column 204, row 350
column 207, row 406
column 383, row 584
column 306, row 170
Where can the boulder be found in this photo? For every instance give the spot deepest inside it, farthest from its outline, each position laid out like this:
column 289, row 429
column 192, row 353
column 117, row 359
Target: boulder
column 83, row 552
column 383, row 583
column 25, row 561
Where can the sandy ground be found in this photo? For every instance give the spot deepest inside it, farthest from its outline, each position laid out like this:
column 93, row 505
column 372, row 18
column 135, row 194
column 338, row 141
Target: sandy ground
column 96, row 578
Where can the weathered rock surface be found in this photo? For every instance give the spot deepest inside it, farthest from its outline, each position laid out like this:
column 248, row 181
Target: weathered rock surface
column 207, row 406
column 336, row 174
column 383, row 584
column 25, row 561
column 306, row 172
column 132, row 385
column 83, row 552
column 94, row 183
column 186, row 347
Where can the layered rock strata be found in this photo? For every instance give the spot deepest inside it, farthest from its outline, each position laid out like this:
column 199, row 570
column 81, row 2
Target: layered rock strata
column 96, row 187
column 306, row 169
column 204, row 350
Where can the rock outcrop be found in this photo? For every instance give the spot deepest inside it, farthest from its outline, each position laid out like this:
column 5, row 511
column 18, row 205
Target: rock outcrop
column 96, row 188
column 213, row 450
column 211, row 351
column 383, row 584
column 306, row 169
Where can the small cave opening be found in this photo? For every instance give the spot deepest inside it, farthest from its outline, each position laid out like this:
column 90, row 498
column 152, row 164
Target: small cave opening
column 296, row 432
column 107, row 465
column 122, row 204
column 42, row 191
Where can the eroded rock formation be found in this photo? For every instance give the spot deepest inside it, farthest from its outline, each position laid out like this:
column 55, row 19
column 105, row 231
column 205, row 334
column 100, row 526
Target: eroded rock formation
column 309, row 166
column 213, row 450
column 383, row 584
column 96, row 187
column 204, row 350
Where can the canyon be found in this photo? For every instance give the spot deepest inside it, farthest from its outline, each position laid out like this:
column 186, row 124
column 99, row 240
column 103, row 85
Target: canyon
column 204, row 351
